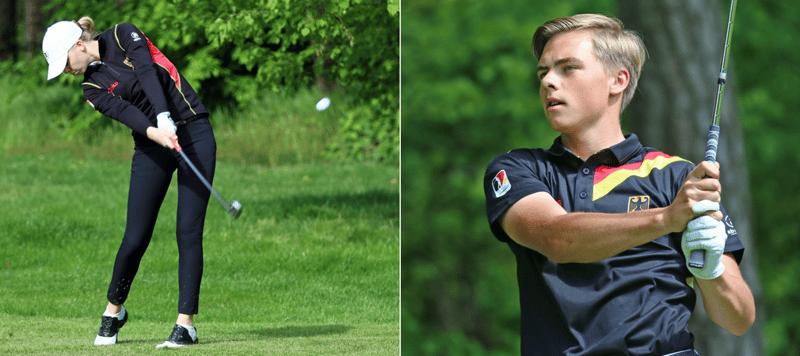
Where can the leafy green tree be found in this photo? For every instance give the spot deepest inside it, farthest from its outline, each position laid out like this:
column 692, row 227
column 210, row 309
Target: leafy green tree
column 235, row 50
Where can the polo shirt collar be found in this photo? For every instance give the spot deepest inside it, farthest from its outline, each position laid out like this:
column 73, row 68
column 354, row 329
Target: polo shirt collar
column 617, row 154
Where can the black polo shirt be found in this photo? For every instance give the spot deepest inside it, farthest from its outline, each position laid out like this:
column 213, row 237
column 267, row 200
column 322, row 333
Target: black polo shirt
column 635, row 303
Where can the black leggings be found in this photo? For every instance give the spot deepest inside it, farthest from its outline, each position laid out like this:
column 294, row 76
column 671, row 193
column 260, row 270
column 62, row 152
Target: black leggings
column 151, row 172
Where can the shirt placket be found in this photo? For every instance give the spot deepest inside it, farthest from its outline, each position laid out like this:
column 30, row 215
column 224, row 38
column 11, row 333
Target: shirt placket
column 584, row 183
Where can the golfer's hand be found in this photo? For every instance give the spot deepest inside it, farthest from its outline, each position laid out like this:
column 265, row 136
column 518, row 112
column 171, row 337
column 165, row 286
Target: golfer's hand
column 700, row 194
column 161, row 136
column 165, row 122
column 705, row 233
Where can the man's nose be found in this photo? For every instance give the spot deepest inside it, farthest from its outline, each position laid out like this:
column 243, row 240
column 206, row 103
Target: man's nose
column 549, row 80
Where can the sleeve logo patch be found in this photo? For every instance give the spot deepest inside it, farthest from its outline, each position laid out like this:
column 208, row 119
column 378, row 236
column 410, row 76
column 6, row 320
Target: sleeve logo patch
column 639, row 202
column 730, row 230
column 500, row 184
column 135, row 36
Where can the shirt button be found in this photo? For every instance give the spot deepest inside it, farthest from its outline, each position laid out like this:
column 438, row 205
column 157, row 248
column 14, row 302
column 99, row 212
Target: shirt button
column 586, row 171
column 583, row 195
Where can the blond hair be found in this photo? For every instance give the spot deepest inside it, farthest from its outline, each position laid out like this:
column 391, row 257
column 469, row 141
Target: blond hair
column 614, row 46
column 87, row 25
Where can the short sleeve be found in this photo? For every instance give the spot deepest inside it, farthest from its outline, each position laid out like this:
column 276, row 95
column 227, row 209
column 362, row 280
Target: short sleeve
column 509, row 178
column 733, row 244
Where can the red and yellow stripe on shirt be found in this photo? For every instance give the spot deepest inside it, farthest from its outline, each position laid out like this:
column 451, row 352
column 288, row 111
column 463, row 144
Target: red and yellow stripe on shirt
column 607, row 178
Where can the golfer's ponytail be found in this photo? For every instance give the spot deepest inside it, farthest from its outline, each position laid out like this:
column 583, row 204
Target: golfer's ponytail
column 87, row 25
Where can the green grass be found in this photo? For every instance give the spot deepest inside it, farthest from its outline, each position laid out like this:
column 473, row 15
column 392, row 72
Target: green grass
column 310, row 268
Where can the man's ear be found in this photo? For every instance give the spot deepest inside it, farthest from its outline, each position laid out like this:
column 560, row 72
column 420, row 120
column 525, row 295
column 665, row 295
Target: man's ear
column 620, row 82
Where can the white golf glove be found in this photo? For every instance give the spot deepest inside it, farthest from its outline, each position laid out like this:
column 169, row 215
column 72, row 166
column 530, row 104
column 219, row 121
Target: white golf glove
column 165, row 122
column 704, row 206
column 708, row 234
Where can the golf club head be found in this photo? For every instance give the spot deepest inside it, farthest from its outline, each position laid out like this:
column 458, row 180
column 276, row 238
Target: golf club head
column 236, row 209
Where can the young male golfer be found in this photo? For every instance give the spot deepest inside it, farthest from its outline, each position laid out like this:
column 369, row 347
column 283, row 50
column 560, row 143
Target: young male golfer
column 601, row 226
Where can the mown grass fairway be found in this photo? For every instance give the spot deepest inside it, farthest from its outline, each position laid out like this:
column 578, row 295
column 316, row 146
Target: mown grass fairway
column 310, row 268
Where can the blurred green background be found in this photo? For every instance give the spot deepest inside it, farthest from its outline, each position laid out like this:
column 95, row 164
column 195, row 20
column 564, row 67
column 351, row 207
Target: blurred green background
column 469, row 93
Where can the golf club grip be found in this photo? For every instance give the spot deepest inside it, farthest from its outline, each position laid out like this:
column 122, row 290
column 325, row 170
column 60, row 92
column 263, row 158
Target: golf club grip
column 712, row 144
column 697, row 258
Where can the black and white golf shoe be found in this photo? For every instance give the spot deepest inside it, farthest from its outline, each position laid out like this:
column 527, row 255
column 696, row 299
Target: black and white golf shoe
column 110, row 327
column 180, row 336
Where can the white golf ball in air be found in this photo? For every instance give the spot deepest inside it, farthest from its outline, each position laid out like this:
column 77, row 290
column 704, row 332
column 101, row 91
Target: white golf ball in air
column 323, row 104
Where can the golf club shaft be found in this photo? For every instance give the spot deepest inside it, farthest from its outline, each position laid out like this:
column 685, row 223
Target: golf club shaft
column 697, row 258
column 203, row 179
column 199, row 175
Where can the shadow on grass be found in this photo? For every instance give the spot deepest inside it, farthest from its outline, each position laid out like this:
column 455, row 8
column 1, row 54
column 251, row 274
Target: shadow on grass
column 301, row 331
column 282, row 332
column 270, row 333
column 136, row 341
column 329, row 206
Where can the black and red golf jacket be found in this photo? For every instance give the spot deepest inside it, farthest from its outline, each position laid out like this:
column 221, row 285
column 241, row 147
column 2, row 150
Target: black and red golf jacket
column 134, row 81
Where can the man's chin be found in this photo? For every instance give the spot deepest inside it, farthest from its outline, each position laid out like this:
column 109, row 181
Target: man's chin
column 561, row 123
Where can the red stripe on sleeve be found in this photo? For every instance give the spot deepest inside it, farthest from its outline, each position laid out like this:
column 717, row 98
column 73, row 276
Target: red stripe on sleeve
column 160, row 59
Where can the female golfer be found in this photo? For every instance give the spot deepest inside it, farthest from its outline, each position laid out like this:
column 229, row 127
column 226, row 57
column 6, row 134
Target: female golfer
column 128, row 79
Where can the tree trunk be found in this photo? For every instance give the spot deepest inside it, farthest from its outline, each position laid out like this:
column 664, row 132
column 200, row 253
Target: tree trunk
column 8, row 29
column 672, row 110
column 34, row 28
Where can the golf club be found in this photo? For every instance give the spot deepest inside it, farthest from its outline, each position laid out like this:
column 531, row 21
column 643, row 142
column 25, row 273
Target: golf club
column 235, row 209
column 697, row 258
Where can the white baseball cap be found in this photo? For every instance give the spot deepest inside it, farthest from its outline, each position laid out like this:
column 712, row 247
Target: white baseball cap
column 57, row 41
